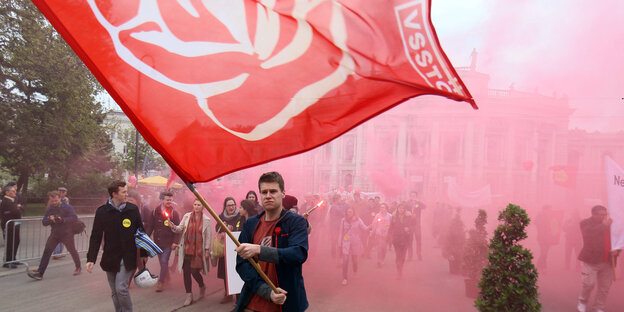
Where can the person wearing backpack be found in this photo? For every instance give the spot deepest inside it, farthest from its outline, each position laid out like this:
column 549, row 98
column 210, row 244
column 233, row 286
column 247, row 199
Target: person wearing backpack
column 61, row 217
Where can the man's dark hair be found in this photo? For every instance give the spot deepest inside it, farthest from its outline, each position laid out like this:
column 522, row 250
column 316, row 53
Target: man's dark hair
column 114, row 187
column 165, row 194
column 271, row 177
column 598, row 208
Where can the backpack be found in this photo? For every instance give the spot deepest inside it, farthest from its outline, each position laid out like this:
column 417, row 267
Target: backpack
column 78, row 227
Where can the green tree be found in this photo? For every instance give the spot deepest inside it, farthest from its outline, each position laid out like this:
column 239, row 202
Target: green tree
column 51, row 118
column 148, row 158
column 453, row 240
column 476, row 249
column 509, row 281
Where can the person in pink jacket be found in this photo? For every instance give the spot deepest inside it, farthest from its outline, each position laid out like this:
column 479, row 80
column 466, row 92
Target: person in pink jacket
column 194, row 248
column 350, row 241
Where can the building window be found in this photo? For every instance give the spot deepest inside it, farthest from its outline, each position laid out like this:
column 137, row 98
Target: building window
column 452, row 148
column 494, row 150
column 348, row 151
column 419, row 142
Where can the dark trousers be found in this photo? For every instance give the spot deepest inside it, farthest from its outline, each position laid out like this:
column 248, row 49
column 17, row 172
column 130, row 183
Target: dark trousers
column 417, row 237
column 12, row 240
column 187, row 272
column 543, row 257
column 401, row 251
column 55, row 238
column 345, row 264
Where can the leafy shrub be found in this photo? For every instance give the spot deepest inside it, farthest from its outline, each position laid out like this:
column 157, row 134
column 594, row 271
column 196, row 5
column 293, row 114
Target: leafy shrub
column 509, row 281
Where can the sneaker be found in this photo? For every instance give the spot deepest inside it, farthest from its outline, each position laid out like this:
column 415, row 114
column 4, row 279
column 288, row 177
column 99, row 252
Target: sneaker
column 56, row 257
column 10, row 265
column 344, row 282
column 35, row 274
column 77, row 271
column 581, row 307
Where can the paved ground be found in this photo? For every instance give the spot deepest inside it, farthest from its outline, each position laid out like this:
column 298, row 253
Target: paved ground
column 426, row 286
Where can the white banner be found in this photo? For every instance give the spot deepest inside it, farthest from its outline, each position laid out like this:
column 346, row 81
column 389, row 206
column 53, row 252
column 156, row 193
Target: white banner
column 234, row 282
column 458, row 195
column 615, row 196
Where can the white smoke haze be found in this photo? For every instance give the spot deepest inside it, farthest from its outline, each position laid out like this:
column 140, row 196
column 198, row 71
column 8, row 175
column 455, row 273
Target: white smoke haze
column 568, row 47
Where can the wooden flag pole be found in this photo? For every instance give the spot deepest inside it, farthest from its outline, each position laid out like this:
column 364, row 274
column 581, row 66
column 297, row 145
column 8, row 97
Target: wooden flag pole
column 613, row 265
column 229, row 233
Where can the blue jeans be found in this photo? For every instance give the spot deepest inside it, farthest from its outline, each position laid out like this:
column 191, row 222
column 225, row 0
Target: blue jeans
column 58, row 250
column 163, row 258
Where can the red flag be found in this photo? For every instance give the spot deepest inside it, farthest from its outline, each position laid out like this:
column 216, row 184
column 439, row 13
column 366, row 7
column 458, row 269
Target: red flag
column 172, row 179
column 564, row 175
column 218, row 86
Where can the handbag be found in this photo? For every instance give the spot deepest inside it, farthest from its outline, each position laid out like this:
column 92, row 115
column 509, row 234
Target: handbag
column 78, row 227
column 218, row 248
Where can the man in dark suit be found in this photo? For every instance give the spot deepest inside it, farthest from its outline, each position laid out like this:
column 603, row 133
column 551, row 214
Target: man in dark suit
column 117, row 221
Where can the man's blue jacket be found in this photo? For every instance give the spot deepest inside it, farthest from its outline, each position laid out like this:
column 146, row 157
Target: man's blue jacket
column 289, row 251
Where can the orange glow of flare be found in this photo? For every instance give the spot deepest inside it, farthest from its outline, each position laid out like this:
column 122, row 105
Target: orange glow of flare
column 320, row 203
column 166, row 214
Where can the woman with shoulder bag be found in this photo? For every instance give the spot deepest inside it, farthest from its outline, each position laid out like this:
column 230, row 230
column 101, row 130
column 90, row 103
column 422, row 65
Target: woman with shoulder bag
column 194, row 248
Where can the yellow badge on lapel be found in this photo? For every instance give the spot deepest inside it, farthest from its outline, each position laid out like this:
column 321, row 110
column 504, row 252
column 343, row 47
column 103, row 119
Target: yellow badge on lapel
column 166, row 223
column 126, row 223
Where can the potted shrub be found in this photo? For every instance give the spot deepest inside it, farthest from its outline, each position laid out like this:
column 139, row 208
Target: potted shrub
column 475, row 255
column 509, row 280
column 453, row 243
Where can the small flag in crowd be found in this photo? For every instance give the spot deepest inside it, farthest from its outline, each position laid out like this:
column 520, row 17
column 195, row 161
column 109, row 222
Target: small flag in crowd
column 142, row 240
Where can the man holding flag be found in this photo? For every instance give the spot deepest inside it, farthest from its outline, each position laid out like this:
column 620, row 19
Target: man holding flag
column 278, row 239
column 597, row 258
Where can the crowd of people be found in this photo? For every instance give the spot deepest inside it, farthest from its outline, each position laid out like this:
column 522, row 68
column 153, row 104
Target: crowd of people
column 276, row 230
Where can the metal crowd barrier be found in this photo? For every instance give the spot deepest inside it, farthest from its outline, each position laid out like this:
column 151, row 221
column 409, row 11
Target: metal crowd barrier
column 33, row 237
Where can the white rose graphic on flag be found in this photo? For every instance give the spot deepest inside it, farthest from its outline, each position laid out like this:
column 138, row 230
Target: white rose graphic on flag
column 212, row 38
